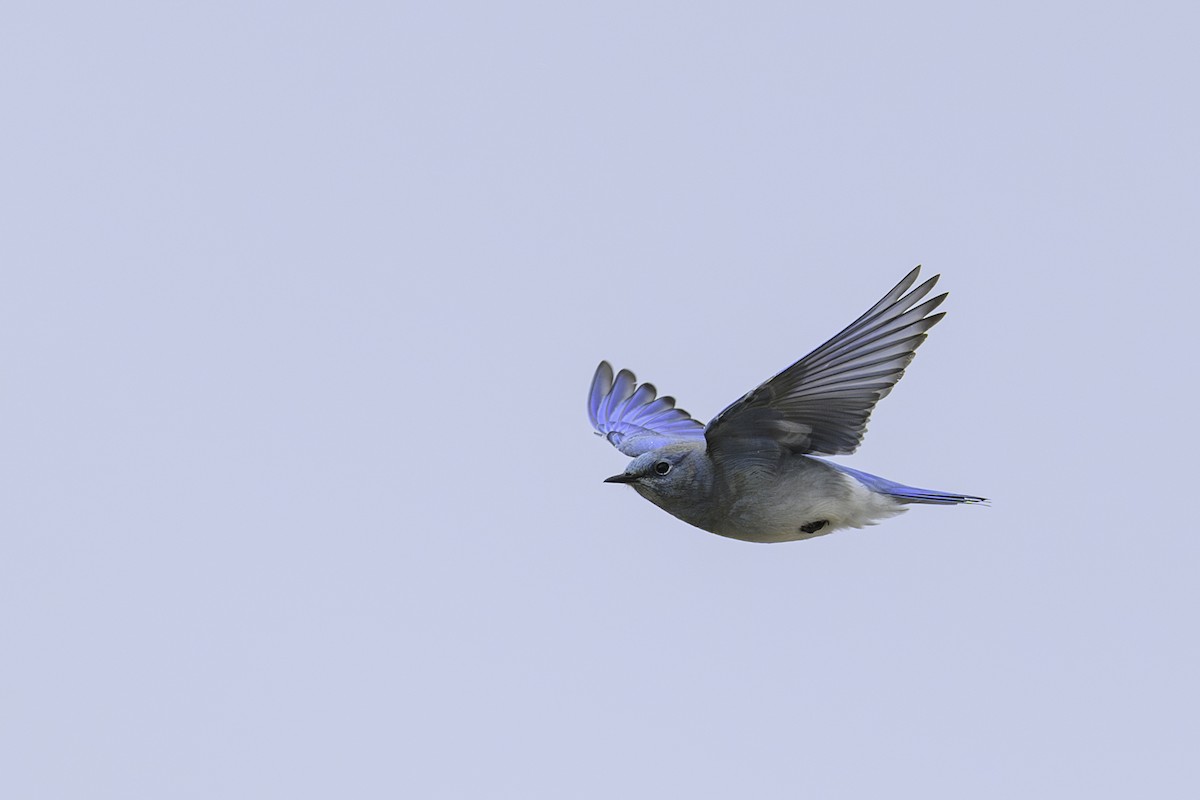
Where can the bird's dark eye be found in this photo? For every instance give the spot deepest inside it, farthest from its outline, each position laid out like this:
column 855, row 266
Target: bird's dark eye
column 662, row 467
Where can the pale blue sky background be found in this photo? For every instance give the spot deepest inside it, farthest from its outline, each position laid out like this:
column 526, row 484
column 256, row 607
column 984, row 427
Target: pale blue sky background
column 300, row 304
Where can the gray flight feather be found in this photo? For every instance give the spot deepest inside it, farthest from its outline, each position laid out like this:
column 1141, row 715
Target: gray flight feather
column 821, row 404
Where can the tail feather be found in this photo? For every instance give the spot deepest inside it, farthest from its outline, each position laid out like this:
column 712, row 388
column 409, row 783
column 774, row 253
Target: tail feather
column 906, row 494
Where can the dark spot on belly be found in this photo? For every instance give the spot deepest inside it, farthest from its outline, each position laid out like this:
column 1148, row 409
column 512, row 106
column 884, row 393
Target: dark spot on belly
column 813, row 527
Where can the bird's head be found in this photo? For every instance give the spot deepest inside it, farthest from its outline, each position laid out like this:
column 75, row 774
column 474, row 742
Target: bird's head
column 675, row 471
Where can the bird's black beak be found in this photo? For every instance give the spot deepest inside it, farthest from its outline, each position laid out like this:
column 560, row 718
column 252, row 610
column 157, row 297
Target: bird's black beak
column 624, row 477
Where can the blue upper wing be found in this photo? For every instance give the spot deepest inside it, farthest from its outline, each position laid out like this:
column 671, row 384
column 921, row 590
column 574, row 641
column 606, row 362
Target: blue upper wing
column 633, row 418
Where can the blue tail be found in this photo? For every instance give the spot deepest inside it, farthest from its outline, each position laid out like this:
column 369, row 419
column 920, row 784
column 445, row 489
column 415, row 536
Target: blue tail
column 906, row 494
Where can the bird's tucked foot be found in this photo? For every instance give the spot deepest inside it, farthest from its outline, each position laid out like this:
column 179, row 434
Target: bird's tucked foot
column 813, row 527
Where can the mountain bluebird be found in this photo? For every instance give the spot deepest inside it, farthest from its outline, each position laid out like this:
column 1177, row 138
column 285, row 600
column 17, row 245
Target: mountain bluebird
column 753, row 473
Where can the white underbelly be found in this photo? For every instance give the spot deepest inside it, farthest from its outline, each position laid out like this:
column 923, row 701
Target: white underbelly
column 788, row 512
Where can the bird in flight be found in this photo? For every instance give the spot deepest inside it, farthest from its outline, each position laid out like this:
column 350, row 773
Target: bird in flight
column 754, row 472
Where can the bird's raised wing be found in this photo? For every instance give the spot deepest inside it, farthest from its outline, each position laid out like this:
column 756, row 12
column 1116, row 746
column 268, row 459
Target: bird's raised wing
column 821, row 403
column 633, row 418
